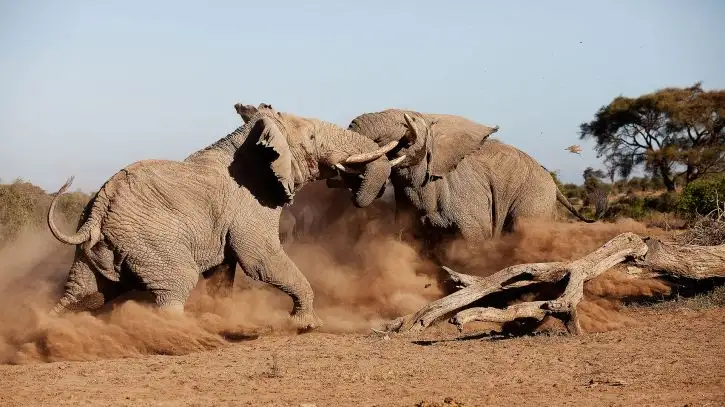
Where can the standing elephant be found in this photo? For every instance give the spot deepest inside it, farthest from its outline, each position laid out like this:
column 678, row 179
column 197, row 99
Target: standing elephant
column 457, row 179
column 158, row 224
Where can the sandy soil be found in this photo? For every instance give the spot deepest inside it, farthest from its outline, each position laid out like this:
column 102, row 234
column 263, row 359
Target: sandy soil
column 668, row 358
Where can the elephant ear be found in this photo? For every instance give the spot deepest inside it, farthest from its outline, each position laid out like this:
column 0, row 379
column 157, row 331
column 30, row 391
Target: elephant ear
column 247, row 111
column 276, row 152
column 263, row 164
column 454, row 138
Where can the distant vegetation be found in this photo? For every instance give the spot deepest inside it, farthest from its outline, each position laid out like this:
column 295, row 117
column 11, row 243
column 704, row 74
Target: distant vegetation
column 24, row 206
column 676, row 135
column 646, row 199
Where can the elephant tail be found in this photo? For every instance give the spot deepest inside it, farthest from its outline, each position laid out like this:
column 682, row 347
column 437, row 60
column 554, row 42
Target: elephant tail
column 83, row 234
column 562, row 199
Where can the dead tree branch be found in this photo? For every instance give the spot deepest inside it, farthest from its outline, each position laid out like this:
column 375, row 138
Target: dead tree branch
column 693, row 262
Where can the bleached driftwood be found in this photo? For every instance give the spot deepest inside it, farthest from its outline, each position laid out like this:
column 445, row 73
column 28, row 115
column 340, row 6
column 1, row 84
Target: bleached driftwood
column 684, row 261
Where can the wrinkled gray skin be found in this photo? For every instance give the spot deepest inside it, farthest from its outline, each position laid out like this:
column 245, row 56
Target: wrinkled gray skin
column 158, row 224
column 456, row 179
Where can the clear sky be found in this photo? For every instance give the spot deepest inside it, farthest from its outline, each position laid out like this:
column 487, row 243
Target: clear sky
column 87, row 87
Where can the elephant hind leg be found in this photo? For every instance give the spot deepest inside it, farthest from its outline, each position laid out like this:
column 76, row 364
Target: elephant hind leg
column 85, row 290
column 89, row 302
column 173, row 297
column 170, row 279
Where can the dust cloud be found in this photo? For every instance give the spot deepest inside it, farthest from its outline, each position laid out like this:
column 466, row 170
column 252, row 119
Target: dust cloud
column 361, row 269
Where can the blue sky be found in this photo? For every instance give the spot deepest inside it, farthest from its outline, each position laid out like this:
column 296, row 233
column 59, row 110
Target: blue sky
column 88, row 87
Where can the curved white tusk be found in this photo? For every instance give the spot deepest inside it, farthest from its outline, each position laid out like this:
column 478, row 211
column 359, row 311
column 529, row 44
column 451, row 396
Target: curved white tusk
column 409, row 120
column 372, row 156
column 345, row 169
column 397, row 161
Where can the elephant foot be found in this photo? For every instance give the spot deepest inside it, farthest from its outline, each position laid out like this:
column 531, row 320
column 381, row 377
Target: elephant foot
column 68, row 304
column 306, row 321
column 172, row 307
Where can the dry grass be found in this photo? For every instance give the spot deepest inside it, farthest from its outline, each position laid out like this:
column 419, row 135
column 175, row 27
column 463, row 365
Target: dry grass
column 708, row 230
column 665, row 221
column 714, row 298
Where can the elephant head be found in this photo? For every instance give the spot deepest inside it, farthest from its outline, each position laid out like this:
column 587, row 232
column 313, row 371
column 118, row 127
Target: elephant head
column 299, row 150
column 429, row 145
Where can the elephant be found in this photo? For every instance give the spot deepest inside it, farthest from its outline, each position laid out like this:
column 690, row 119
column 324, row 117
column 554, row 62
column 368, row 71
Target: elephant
column 455, row 179
column 316, row 207
column 156, row 225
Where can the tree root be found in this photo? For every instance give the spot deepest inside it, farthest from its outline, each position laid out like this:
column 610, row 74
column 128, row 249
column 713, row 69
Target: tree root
column 681, row 261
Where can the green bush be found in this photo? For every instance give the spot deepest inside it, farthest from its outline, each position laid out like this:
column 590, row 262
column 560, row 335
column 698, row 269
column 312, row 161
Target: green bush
column 630, row 206
column 573, row 191
column 702, row 196
column 664, row 202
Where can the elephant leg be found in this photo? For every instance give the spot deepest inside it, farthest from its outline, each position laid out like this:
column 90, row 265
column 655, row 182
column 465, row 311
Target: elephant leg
column 261, row 256
column 476, row 235
column 174, row 298
column 170, row 278
column 85, row 290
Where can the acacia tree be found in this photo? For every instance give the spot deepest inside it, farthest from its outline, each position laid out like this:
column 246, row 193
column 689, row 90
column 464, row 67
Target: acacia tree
column 672, row 132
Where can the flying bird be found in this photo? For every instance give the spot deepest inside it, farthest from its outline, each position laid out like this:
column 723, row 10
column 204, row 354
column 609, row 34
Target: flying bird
column 574, row 148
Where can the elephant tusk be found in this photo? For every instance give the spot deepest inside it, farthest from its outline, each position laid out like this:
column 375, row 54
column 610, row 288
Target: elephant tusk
column 397, row 161
column 345, row 169
column 372, row 156
column 409, row 120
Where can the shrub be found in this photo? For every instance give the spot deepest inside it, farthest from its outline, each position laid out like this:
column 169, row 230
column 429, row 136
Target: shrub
column 25, row 206
column 664, row 202
column 666, row 221
column 707, row 230
column 701, row 197
column 20, row 207
column 630, row 206
column 573, row 191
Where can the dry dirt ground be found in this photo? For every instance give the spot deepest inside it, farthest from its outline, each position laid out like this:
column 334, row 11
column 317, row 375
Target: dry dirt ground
column 672, row 357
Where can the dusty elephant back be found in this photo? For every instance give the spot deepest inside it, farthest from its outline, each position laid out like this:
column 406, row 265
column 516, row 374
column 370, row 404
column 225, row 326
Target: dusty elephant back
column 508, row 166
column 519, row 186
column 171, row 194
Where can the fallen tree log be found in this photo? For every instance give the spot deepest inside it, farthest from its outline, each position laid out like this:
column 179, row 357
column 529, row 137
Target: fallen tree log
column 679, row 261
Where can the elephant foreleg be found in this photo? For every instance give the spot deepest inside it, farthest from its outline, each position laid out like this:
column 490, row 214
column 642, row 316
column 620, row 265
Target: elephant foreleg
column 263, row 259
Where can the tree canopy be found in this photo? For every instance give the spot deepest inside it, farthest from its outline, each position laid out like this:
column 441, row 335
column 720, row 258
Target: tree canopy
column 672, row 133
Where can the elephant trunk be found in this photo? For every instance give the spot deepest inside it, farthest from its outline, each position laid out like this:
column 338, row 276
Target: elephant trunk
column 345, row 148
column 373, row 182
